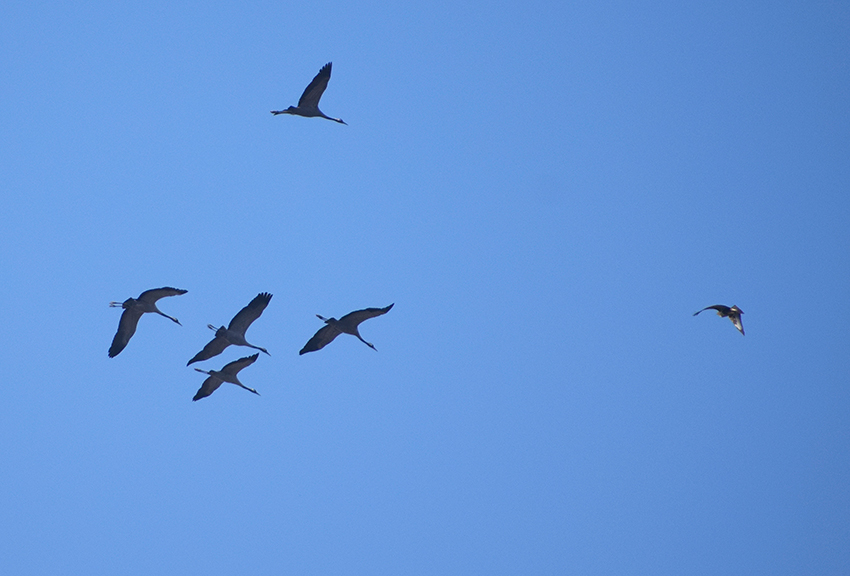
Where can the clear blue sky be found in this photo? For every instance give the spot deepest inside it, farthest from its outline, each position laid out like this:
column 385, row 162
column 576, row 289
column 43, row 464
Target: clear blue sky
column 547, row 192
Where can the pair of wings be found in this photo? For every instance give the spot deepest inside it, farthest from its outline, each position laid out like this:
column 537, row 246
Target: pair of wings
column 212, row 383
column 327, row 333
column 130, row 317
column 240, row 323
column 726, row 312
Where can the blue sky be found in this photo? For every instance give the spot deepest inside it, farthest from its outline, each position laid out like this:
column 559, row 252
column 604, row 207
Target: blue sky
column 547, row 192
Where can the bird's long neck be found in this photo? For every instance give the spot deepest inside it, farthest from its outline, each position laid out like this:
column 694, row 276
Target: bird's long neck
column 323, row 115
column 169, row 317
column 369, row 344
column 246, row 388
column 257, row 348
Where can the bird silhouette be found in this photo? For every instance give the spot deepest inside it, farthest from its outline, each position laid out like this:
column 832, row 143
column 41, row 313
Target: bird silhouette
column 226, row 374
column 235, row 332
column 733, row 313
column 347, row 324
column 133, row 310
column 308, row 104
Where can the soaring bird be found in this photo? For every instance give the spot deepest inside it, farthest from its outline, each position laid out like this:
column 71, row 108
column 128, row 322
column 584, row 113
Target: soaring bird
column 733, row 313
column 133, row 310
column 235, row 332
column 227, row 374
column 308, row 105
column 347, row 324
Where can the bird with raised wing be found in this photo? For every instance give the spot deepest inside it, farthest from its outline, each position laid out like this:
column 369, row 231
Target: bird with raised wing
column 733, row 313
column 347, row 324
column 226, row 374
column 308, row 105
column 235, row 332
column 133, row 310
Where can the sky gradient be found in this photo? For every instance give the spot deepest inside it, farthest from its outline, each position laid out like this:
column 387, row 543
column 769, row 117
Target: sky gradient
column 546, row 192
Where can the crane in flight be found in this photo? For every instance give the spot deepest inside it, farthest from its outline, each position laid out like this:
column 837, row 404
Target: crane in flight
column 235, row 332
column 347, row 324
column 227, row 374
column 133, row 310
column 733, row 313
column 308, row 104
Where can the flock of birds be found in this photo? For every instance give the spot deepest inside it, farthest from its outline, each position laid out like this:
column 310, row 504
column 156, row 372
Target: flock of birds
column 308, row 106
column 234, row 334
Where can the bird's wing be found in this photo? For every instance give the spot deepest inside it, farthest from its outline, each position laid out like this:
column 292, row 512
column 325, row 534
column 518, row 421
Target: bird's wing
column 250, row 313
column 213, row 348
column 736, row 320
column 313, row 92
column 719, row 307
column 320, row 339
column 126, row 329
column 157, row 293
column 237, row 365
column 359, row 316
column 209, row 386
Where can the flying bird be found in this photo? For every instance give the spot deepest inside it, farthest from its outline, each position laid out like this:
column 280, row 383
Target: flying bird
column 133, row 310
column 235, row 332
column 733, row 313
column 226, row 374
column 308, row 105
column 347, row 324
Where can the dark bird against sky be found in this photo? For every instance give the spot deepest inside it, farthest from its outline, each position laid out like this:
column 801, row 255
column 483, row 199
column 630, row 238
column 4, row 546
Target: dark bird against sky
column 235, row 332
column 226, row 374
column 308, row 105
column 133, row 310
column 347, row 324
column 733, row 313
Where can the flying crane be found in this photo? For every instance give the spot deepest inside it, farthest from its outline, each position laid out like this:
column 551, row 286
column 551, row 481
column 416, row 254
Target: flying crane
column 347, row 324
column 308, row 104
column 235, row 332
column 226, row 374
column 133, row 310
